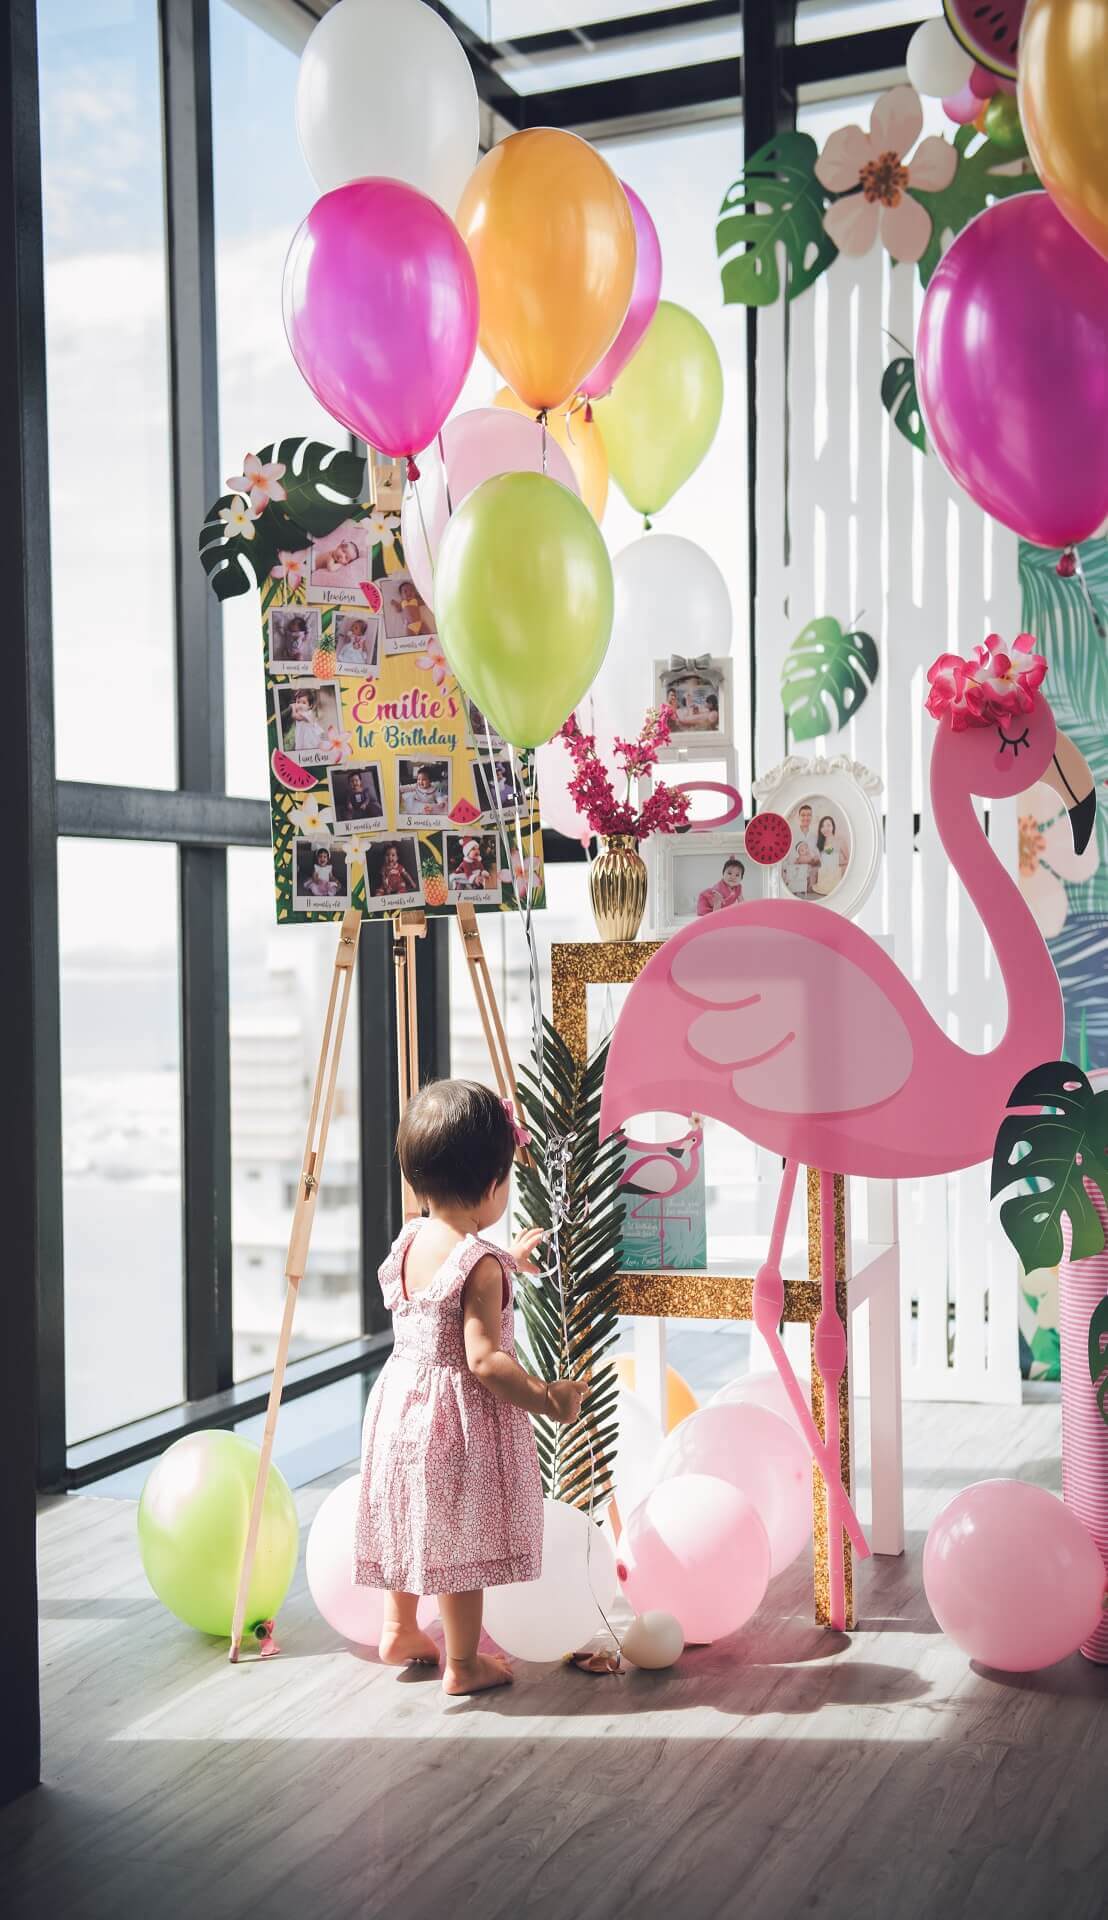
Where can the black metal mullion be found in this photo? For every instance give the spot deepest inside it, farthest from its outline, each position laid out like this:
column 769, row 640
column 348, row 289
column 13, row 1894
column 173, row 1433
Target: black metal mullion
column 93, row 812
column 205, row 1053
column 381, row 1216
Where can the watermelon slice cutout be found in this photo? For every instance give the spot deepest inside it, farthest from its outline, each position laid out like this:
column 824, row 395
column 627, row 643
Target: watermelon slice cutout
column 768, row 839
column 296, row 779
column 372, row 596
column 464, row 813
column 989, row 30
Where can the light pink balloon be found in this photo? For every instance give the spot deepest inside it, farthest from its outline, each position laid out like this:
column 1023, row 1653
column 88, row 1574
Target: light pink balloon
column 760, row 1454
column 1012, row 1576
column 645, row 294
column 556, row 770
column 762, row 1390
column 963, row 106
column 478, row 445
column 356, row 1612
column 380, row 304
column 695, row 1548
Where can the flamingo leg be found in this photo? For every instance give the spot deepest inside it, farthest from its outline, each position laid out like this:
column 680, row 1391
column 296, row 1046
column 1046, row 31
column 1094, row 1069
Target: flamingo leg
column 769, row 1301
column 830, row 1354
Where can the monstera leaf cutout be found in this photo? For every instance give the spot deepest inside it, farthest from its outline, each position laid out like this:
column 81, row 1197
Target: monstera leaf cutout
column 826, row 677
column 985, row 175
column 323, row 487
column 777, row 202
column 1061, row 1149
column 901, row 401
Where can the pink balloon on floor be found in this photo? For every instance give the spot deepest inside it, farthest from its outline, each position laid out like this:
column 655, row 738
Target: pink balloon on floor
column 760, row 1454
column 380, row 305
column 1012, row 1577
column 762, row 1390
column 477, row 445
column 645, row 294
column 355, row 1612
column 696, row 1548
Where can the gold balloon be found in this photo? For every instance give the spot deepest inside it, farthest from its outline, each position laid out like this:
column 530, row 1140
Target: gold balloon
column 552, row 240
column 1063, row 103
column 580, row 440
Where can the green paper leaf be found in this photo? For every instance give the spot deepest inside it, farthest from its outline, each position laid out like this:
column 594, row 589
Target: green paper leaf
column 1059, row 1149
column 984, row 175
column 1098, row 1356
column 901, row 401
column 826, row 676
column 323, row 486
column 777, row 202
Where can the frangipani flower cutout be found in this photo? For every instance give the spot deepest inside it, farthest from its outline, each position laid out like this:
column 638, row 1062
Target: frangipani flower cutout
column 996, row 683
column 238, row 519
column 260, row 484
column 290, row 569
column 870, row 171
column 1047, row 858
column 311, row 818
column 433, row 661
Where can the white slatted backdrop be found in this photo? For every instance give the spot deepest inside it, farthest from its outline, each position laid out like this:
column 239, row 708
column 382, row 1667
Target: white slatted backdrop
column 855, row 523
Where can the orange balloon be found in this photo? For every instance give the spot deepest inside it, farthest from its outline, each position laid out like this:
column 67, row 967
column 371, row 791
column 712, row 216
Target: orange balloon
column 580, row 440
column 680, row 1398
column 1063, row 103
column 552, row 240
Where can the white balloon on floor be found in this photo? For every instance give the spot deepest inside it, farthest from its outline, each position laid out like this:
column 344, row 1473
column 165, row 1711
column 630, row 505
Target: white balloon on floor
column 653, row 1640
column 561, row 1611
column 669, row 594
column 762, row 1455
column 384, row 88
column 356, row 1612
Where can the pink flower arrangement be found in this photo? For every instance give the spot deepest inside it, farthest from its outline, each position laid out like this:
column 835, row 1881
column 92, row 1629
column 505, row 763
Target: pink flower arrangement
column 996, row 683
column 591, row 786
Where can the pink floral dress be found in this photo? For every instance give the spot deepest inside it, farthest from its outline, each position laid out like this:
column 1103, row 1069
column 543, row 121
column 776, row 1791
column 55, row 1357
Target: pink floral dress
column 451, row 1496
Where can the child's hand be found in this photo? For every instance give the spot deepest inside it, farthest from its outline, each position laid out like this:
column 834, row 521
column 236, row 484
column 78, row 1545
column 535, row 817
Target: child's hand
column 563, row 1398
column 524, row 1250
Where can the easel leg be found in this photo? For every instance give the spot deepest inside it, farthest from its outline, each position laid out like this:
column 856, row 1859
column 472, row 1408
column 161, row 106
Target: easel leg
column 410, row 926
column 319, row 1121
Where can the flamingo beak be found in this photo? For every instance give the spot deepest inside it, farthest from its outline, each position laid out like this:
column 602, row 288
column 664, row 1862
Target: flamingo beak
column 1071, row 778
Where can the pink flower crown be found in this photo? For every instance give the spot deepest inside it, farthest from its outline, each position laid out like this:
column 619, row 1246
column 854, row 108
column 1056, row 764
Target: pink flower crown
column 996, row 683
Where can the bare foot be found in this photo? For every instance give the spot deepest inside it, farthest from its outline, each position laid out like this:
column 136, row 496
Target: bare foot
column 407, row 1646
column 476, row 1675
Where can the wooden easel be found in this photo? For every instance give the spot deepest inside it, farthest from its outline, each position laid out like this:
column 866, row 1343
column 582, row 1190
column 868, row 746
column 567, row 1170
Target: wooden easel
column 408, row 927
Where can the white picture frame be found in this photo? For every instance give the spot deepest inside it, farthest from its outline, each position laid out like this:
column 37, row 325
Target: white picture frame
column 700, row 687
column 685, row 866
column 838, row 868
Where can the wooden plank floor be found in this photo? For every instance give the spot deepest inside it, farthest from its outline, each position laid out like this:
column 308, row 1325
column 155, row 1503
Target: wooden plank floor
column 784, row 1772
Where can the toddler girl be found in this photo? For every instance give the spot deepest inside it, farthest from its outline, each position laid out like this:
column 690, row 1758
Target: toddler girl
column 451, row 1498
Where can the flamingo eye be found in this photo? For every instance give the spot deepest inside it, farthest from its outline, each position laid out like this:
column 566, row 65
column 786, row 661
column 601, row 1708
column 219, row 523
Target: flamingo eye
column 1015, row 741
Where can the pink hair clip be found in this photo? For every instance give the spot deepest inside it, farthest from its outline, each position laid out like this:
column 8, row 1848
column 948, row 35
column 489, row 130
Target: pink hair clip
column 522, row 1134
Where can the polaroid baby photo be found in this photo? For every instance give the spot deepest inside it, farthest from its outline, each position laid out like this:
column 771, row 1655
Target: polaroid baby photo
column 357, row 798
column 292, row 636
column 309, row 722
column 357, row 643
column 393, row 874
column 472, row 868
column 408, row 620
column 321, row 876
column 337, row 566
column 423, row 791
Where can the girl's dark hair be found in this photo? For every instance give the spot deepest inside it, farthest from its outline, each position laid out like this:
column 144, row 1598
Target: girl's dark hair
column 820, row 842
column 734, row 861
column 454, row 1142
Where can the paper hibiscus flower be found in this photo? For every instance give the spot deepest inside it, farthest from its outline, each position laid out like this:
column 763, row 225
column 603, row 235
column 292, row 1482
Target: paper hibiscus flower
column 876, row 181
column 997, row 682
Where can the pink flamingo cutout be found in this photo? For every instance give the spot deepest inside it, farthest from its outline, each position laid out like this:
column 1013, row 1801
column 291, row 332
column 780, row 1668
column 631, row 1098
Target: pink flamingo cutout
column 791, row 1025
column 660, row 1172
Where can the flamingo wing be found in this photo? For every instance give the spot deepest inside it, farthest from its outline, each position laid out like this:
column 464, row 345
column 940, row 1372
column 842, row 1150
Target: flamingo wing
column 802, row 1027
column 656, row 1174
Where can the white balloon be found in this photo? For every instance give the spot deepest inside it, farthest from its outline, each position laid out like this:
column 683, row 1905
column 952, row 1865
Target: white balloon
column 637, row 1447
column 654, row 1640
column 670, row 596
column 937, row 65
column 384, row 88
column 562, row 1610
column 358, row 1613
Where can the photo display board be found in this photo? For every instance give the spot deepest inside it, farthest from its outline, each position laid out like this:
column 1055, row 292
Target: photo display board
column 384, row 778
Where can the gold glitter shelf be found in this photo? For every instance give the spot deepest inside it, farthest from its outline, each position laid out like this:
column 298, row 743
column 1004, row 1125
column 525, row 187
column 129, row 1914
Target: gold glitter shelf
column 575, row 967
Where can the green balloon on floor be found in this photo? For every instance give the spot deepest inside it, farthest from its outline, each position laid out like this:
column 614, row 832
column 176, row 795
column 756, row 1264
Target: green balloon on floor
column 192, row 1522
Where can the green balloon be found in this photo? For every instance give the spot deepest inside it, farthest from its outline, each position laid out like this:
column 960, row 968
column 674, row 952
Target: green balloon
column 192, row 1521
column 1003, row 125
column 662, row 413
column 523, row 600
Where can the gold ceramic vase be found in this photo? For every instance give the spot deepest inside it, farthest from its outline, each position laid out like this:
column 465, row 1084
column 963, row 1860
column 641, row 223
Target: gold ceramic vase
column 617, row 888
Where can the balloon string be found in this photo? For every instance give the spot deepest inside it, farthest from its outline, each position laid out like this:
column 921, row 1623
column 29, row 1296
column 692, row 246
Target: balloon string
column 445, row 476
column 423, row 528
column 559, row 1146
column 1091, row 603
column 542, row 423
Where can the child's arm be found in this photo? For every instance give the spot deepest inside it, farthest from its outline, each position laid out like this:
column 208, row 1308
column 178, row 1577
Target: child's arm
column 504, row 1377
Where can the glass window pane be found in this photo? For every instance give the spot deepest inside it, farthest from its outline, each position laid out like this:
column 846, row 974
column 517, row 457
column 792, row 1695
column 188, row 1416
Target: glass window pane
column 107, row 384
column 121, row 1132
column 280, row 979
column 261, row 395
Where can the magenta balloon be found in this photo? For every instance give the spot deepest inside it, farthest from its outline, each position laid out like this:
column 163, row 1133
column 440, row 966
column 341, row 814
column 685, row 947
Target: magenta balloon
column 478, row 445
column 1012, row 370
column 1012, row 1577
column 380, row 302
column 645, row 294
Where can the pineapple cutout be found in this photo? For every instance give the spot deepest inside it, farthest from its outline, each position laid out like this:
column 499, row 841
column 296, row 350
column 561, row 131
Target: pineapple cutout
column 434, row 879
column 324, row 663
